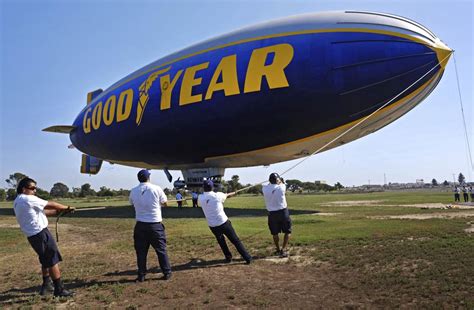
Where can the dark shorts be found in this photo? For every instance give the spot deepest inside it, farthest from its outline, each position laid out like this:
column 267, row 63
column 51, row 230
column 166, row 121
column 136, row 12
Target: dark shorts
column 44, row 245
column 279, row 221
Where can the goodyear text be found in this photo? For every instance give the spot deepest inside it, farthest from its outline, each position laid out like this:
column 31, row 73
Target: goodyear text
column 223, row 79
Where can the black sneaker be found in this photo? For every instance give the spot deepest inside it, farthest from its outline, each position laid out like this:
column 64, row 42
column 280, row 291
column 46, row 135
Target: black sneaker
column 46, row 287
column 277, row 253
column 166, row 276
column 228, row 259
column 284, row 253
column 140, row 278
column 63, row 293
column 248, row 261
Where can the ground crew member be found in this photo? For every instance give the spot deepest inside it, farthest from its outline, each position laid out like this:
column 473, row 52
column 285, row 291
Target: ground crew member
column 31, row 212
column 195, row 199
column 465, row 194
column 179, row 199
column 278, row 215
column 456, row 191
column 212, row 205
column 147, row 199
column 472, row 193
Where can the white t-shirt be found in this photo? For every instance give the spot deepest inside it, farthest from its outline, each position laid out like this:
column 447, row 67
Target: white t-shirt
column 212, row 205
column 274, row 195
column 29, row 212
column 147, row 199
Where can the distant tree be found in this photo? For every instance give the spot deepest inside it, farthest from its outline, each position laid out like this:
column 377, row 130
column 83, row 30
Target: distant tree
column 309, row 186
column 76, row 192
column 11, row 194
column 3, row 194
column 86, row 190
column 233, row 184
column 121, row 192
column 41, row 193
column 325, row 187
column 59, row 190
column 14, row 179
column 225, row 186
column 294, row 185
column 445, row 183
column 434, row 182
column 461, row 178
column 105, row 192
column 338, row 186
column 256, row 189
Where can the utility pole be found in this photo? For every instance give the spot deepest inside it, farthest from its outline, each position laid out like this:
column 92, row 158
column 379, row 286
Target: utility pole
column 384, row 179
column 454, row 179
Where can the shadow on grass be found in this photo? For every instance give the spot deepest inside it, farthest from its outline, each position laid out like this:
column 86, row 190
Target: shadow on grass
column 18, row 296
column 194, row 263
column 169, row 212
column 21, row 296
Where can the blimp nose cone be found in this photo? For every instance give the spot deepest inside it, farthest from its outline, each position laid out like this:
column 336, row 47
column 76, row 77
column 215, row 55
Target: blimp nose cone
column 443, row 52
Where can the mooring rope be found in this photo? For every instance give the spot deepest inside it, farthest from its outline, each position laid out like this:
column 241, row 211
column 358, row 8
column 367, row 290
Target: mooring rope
column 58, row 216
column 351, row 128
column 462, row 113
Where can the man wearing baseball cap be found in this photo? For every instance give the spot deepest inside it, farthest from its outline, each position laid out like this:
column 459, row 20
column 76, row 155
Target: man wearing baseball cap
column 147, row 199
column 279, row 220
column 213, row 207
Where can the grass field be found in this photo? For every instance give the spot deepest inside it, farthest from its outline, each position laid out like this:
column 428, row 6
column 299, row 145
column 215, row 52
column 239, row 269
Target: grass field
column 346, row 252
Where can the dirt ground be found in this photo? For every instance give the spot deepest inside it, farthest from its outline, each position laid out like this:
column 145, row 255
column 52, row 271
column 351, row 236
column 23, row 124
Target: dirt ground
column 439, row 215
column 203, row 280
column 350, row 203
column 296, row 282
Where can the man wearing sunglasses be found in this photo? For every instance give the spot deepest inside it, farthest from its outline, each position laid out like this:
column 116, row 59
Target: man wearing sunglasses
column 31, row 212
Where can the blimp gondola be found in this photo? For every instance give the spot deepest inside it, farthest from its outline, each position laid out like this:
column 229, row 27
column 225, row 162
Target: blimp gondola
column 264, row 94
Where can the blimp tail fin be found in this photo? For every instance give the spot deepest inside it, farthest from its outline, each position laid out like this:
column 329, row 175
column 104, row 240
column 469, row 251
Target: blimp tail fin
column 60, row 129
column 93, row 94
column 90, row 164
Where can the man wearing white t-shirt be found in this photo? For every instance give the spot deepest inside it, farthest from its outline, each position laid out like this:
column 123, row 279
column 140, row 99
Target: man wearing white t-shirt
column 147, row 199
column 179, row 199
column 212, row 205
column 31, row 212
column 278, row 215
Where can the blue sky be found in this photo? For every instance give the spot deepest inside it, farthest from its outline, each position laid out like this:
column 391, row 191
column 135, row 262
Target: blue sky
column 54, row 52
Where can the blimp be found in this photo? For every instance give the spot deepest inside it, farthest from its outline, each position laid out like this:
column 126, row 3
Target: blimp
column 268, row 93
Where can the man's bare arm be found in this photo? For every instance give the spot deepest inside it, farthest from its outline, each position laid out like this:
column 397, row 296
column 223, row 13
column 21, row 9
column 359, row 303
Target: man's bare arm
column 53, row 208
column 230, row 195
column 50, row 212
